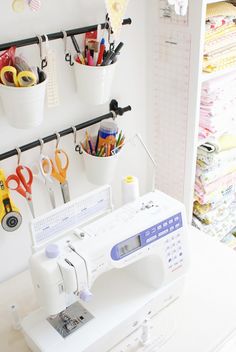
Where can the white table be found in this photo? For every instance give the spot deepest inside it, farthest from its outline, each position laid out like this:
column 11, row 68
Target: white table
column 208, row 313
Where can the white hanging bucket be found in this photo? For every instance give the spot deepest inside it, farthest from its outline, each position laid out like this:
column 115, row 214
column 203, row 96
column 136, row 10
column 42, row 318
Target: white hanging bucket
column 24, row 107
column 94, row 83
column 100, row 170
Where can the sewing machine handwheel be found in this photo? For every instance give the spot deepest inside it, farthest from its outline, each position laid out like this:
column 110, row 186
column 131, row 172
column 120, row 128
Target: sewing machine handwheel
column 11, row 221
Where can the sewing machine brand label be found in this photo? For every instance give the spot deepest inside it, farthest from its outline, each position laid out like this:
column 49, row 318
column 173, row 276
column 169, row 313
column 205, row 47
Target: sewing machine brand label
column 146, row 237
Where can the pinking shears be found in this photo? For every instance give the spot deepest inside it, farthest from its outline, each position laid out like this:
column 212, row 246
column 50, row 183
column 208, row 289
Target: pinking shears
column 59, row 171
column 21, row 182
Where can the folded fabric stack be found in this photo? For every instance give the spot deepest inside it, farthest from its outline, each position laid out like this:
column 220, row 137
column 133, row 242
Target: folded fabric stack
column 217, row 107
column 220, row 37
column 214, row 207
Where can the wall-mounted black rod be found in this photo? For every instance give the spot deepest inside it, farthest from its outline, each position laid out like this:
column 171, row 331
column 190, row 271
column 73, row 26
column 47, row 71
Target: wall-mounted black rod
column 57, row 35
column 114, row 108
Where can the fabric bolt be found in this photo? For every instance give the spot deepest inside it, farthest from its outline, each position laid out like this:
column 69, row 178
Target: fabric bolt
column 219, row 229
column 214, row 197
column 210, row 175
column 220, row 9
column 203, row 209
column 218, row 84
column 219, row 213
column 208, row 154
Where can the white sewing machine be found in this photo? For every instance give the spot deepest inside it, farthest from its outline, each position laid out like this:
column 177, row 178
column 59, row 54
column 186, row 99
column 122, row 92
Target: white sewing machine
column 101, row 282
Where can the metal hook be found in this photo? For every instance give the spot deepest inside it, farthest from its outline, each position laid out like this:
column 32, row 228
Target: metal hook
column 75, row 134
column 77, row 146
column 41, row 145
column 68, row 57
column 41, row 51
column 43, row 57
column 58, row 139
column 109, row 30
column 19, row 155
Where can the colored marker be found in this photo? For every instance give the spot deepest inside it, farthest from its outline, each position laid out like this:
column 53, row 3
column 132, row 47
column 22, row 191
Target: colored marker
column 101, row 52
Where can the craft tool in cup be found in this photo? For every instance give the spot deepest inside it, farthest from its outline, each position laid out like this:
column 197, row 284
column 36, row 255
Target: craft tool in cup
column 107, row 133
column 10, row 216
column 21, row 182
column 21, row 79
column 59, row 171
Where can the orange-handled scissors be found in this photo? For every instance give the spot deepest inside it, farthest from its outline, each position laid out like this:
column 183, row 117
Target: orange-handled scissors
column 59, row 171
column 22, row 183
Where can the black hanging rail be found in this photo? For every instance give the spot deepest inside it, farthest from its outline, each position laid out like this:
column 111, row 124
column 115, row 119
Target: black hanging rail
column 115, row 111
column 57, row 35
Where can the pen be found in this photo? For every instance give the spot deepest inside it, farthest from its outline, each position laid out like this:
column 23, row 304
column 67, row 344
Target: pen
column 90, row 146
column 89, row 59
column 112, row 55
column 101, row 51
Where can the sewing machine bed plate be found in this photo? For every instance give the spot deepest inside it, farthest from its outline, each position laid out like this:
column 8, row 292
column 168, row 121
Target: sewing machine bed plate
column 72, row 319
column 110, row 319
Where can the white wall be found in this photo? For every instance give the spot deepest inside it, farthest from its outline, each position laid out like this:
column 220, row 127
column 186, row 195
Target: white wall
column 129, row 88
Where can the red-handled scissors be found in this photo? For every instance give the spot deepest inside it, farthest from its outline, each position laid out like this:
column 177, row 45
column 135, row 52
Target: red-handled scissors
column 21, row 182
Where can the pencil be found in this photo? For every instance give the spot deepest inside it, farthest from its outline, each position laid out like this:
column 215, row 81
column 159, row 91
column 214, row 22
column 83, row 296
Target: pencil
column 119, row 137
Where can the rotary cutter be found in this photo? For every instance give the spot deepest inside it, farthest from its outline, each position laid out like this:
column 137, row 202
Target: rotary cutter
column 10, row 217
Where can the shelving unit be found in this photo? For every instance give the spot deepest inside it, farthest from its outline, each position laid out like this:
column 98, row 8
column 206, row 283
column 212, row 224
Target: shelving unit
column 176, row 133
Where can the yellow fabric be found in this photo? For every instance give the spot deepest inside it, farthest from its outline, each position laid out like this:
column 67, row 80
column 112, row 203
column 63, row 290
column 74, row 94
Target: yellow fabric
column 218, row 65
column 226, row 142
column 220, row 9
column 201, row 208
column 219, row 32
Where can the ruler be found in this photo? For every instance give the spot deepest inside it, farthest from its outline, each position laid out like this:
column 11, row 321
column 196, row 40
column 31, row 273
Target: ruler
column 70, row 215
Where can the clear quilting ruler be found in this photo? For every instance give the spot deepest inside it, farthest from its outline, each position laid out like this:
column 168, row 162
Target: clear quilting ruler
column 70, row 215
column 168, row 15
column 171, row 89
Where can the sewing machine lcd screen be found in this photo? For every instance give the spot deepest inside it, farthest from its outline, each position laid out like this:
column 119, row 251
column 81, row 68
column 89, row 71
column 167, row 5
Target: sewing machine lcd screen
column 129, row 245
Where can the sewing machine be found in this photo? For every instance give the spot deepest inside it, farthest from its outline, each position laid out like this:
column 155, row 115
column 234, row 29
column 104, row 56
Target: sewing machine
column 102, row 281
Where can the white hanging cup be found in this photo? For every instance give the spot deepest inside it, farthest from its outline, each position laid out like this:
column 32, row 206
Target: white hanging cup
column 100, row 170
column 94, row 83
column 24, row 107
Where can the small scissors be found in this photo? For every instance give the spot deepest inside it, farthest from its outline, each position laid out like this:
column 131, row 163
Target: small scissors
column 43, row 171
column 21, row 79
column 59, row 172
column 22, row 185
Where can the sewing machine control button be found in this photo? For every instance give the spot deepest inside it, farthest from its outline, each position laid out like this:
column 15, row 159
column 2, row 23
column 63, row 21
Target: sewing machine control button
column 171, row 221
column 165, row 223
column 52, row 251
column 176, row 218
column 177, row 225
column 150, row 239
column 172, row 228
column 159, row 227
